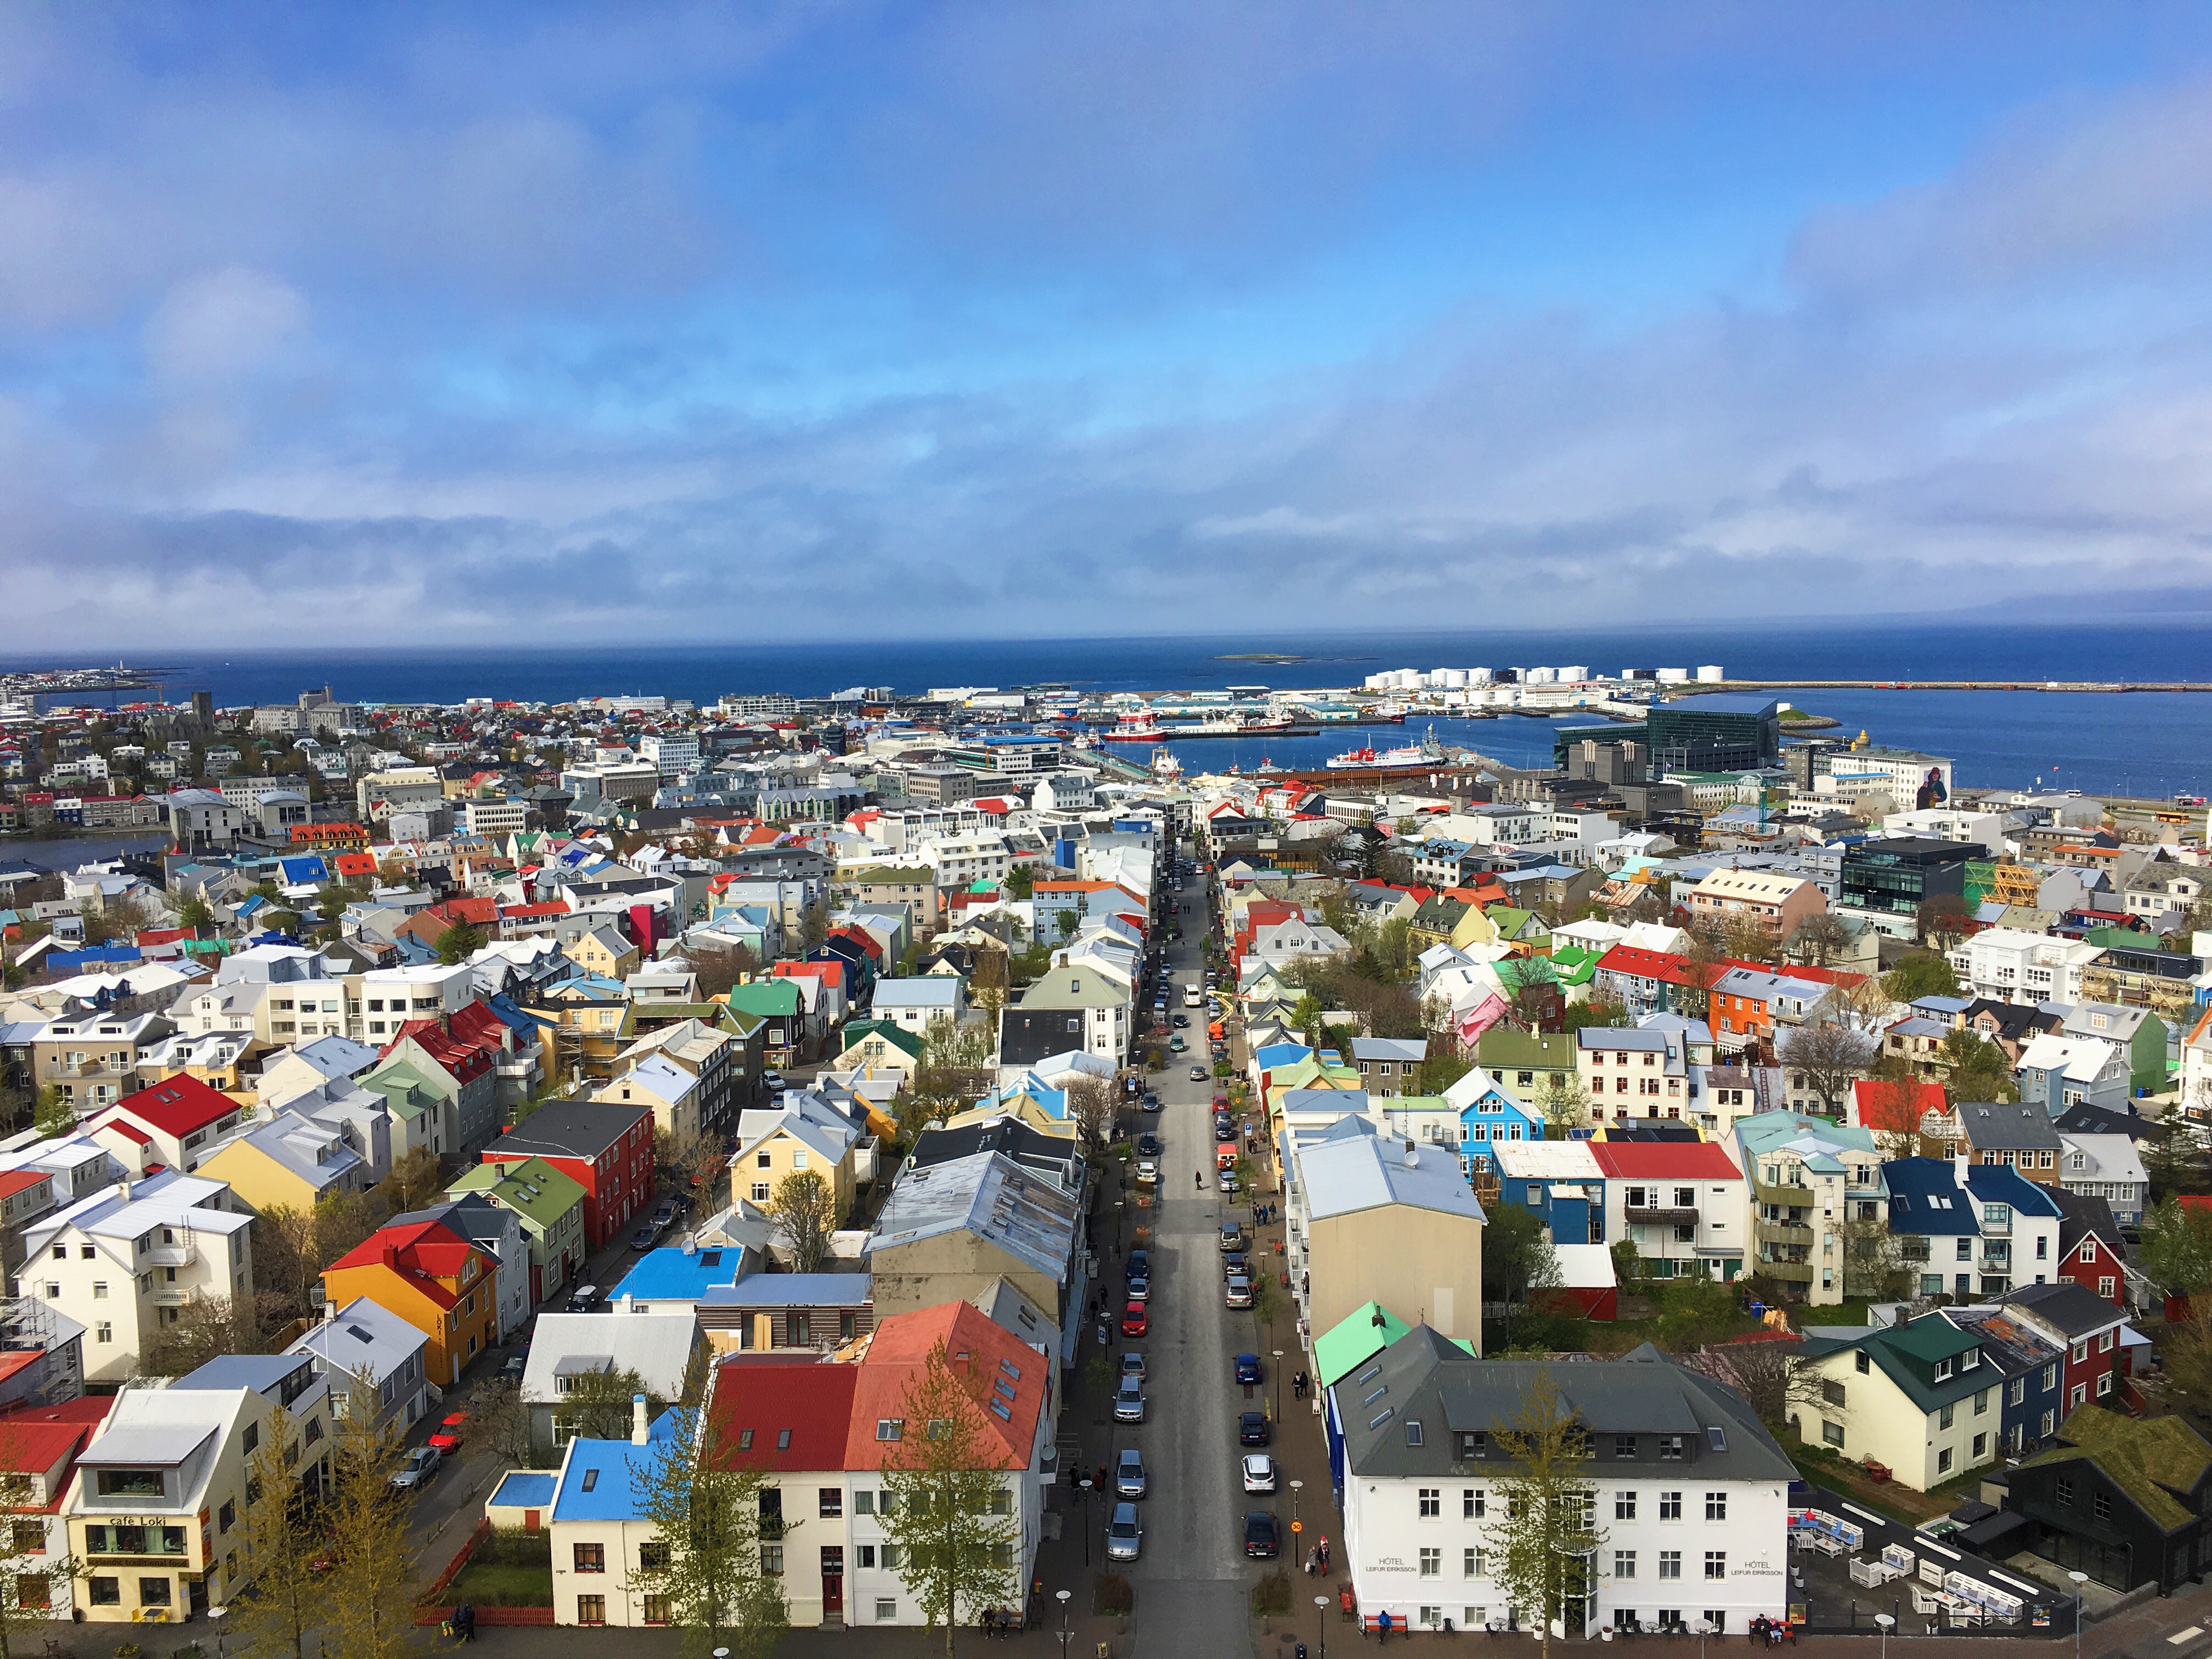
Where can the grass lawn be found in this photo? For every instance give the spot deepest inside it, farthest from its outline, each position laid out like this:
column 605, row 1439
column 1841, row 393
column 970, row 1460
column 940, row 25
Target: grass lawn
column 491, row 1585
column 1887, row 1498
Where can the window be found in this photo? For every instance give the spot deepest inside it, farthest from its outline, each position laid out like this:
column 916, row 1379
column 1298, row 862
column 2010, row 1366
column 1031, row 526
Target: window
column 1431, row 1504
column 226, row 1518
column 591, row 1609
column 1715, row 1564
column 2017, row 1391
column 2104, row 1385
column 772, row 1560
column 2049, row 1377
column 2062, row 1490
column 1670, row 1506
column 1943, row 1418
column 1471, row 1564
column 106, row 1592
column 1670, row 1564
column 651, row 1557
column 103, row 1332
column 2100, row 1506
column 886, row 1609
column 1865, row 1365
column 2089, row 1252
column 1832, row 1434
column 760, row 1191
column 1670, row 1447
column 1716, row 1506
column 153, row 1592
column 656, row 1609
column 1831, row 1394
column 831, row 1500
column 1624, row 1506
column 1471, row 1504
column 591, row 1557
column 1943, row 1461
column 130, row 1483
column 2080, row 1351
column 1432, row 1563
column 2105, row 1342
column 1623, row 1563
column 1981, row 1446
column 2078, row 1394
column 1982, row 1403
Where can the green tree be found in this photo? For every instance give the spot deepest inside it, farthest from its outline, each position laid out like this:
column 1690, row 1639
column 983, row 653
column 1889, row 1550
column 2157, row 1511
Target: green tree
column 806, row 1207
column 599, row 1405
column 1563, row 1104
column 1517, row 1256
column 1598, row 1010
column 365, row 1595
column 716, row 1559
column 2176, row 1249
column 1021, row 882
column 951, row 1517
column 55, row 1117
column 1976, row 1068
column 1439, row 1071
column 459, row 942
column 271, row 1617
column 1920, row 974
column 197, row 915
column 1543, row 1536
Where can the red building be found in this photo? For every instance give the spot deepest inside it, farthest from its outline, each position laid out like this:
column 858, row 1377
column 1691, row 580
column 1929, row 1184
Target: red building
column 606, row 1146
column 2068, row 1315
column 2089, row 1246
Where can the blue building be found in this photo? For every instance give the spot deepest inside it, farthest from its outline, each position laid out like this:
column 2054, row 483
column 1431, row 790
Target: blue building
column 1487, row 1115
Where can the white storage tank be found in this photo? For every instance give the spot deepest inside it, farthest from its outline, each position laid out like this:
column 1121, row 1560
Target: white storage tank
column 1478, row 677
column 1453, row 679
column 1574, row 676
column 1711, row 671
column 1674, row 676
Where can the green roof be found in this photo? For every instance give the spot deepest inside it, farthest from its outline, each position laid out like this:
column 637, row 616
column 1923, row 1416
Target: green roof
column 900, row 1037
column 1546, row 1051
column 766, row 997
column 1357, row 1338
column 532, row 1188
column 2128, row 1450
column 1509, row 921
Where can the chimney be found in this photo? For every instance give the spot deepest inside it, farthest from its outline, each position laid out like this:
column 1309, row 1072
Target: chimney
column 125, row 1185
column 639, row 1425
column 391, row 1256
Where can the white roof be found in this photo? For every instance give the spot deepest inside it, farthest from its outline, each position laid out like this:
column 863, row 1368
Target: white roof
column 2108, row 1158
column 656, row 1345
column 361, row 1340
column 1366, row 1172
column 1546, row 1160
column 2082, row 1058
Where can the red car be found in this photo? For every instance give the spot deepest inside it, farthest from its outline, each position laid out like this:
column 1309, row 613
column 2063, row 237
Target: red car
column 447, row 1439
column 1133, row 1320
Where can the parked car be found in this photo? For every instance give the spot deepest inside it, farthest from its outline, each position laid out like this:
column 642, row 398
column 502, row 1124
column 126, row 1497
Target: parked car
column 1129, row 1402
column 1234, row 1264
column 1129, row 1474
column 418, row 1466
column 1228, row 1183
column 1259, row 1473
column 666, row 1211
column 1238, row 1293
column 516, row 1364
column 1252, row 1429
column 1133, row 1320
column 1133, row 1363
column 1125, row 1534
column 447, row 1439
column 1247, row 1367
column 1140, row 1290
column 773, row 1082
column 1139, row 1266
column 1220, row 1102
column 1148, row 1173
column 1232, row 1236
column 1260, row 1540
column 645, row 1237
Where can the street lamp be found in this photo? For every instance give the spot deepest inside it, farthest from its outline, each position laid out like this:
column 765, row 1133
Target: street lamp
column 2079, row 1579
column 1320, row 1603
column 1296, row 1487
column 1086, row 1482
column 215, row 1617
column 1065, row 1634
column 1277, row 1352
column 1885, row 1621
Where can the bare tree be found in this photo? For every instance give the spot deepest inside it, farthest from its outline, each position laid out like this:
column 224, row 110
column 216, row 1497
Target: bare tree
column 1090, row 1106
column 1830, row 1056
column 805, row 1207
column 1820, row 938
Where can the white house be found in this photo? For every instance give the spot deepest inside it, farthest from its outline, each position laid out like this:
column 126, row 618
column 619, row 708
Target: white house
column 2009, row 965
column 912, row 1004
column 1690, row 1492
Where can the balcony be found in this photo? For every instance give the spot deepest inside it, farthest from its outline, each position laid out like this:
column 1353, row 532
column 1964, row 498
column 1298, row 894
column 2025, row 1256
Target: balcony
column 182, row 1254
column 175, row 1295
column 1796, row 1273
column 1996, row 1229
column 1790, row 1198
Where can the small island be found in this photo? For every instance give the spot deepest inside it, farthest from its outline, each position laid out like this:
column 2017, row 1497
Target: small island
column 1260, row 656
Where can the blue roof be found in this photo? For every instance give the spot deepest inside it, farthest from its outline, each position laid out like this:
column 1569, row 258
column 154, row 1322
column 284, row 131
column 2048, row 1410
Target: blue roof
column 672, row 1274
column 510, row 1013
column 793, row 1290
column 599, row 1479
column 95, row 956
column 244, row 1371
column 299, row 870
column 1924, row 1197
column 1280, row 1054
column 1996, row 1183
column 525, row 1490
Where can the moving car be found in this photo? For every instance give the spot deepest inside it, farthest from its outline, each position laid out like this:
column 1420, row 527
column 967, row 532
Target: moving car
column 1252, row 1429
column 418, row 1466
column 1260, row 1474
column 1140, row 1290
column 1129, row 1402
column 1125, row 1534
column 1133, row 1363
column 1183, row 1022
column 1148, row 1144
column 1198, row 1074
column 1176, row 1043
column 773, row 1081
column 1129, row 1474
column 1247, row 1367
column 1151, row 1101
column 1133, row 1320
column 1260, row 1540
column 447, row 1439
column 584, row 1298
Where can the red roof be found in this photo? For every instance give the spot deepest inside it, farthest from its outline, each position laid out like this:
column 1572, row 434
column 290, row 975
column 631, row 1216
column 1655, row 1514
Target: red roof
column 550, row 907
column 13, row 1182
column 475, row 911
column 38, row 1438
column 860, row 937
column 1665, row 1160
column 980, row 1349
column 163, row 935
column 477, row 1024
column 354, row 864
column 177, row 1105
column 1892, row 1106
column 464, row 1058
column 426, row 1250
column 765, row 1399
column 829, row 973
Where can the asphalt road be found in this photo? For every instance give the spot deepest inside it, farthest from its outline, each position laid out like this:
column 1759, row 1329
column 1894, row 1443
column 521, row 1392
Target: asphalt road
column 1192, row 1580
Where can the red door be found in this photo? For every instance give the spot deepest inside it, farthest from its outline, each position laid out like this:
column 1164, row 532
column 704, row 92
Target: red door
column 833, row 1583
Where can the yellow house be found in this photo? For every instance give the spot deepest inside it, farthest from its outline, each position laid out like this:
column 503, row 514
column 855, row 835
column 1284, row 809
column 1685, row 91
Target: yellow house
column 1021, row 1105
column 605, row 951
column 290, row 1160
column 807, row 1131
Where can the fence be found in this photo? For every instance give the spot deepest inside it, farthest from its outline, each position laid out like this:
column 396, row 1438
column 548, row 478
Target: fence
column 433, row 1609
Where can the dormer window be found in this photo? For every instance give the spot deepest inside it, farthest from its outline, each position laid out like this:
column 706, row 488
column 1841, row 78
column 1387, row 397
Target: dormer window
column 1942, row 1370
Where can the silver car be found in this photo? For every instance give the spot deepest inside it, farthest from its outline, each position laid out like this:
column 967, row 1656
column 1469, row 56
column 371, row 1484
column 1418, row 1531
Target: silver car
column 1129, row 1402
column 1259, row 1472
column 1125, row 1534
column 1129, row 1474
column 418, row 1466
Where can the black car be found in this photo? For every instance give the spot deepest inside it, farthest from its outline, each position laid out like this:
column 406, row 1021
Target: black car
column 1148, row 1144
column 1252, row 1429
column 1139, row 1266
column 1233, row 1265
column 1261, row 1537
column 1151, row 1101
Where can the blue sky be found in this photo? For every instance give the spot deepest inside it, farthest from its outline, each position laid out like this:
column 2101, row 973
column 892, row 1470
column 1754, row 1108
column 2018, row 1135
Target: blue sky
column 419, row 324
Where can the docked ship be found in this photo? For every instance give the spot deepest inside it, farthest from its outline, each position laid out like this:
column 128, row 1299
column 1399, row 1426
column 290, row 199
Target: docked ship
column 1143, row 726
column 1164, row 764
column 1426, row 752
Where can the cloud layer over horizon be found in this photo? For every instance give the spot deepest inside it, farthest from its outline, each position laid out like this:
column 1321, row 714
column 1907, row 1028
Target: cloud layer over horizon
column 402, row 324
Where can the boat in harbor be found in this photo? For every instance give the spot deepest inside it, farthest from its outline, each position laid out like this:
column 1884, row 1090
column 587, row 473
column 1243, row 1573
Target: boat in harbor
column 1142, row 728
column 1164, row 764
column 1428, row 752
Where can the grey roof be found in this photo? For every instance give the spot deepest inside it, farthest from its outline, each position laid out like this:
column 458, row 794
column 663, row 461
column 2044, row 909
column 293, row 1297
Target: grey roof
column 656, row 1345
column 1999, row 1123
column 2074, row 1309
column 1634, row 1037
column 990, row 1195
column 1367, row 1048
column 1427, row 1378
column 928, row 991
column 1365, row 1172
column 793, row 1290
column 361, row 1338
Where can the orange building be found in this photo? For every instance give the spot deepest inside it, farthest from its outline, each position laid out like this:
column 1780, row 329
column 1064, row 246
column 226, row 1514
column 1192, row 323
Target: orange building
column 435, row 1279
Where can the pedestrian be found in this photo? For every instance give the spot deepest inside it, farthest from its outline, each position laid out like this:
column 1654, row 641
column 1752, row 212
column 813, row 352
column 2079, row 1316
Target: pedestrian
column 1382, row 1627
column 1198, row 1179
column 1102, row 1477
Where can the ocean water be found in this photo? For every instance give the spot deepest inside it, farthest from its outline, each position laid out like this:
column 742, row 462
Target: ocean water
column 2150, row 743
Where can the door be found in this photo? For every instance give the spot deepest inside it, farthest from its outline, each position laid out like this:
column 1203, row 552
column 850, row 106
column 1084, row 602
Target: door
column 833, row 1583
